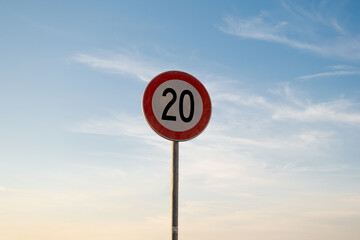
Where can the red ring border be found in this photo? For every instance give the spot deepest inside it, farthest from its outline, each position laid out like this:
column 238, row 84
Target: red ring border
column 156, row 125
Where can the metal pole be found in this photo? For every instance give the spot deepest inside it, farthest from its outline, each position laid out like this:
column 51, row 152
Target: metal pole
column 175, row 190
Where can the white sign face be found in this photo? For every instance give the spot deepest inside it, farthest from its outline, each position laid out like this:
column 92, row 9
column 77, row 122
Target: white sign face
column 177, row 105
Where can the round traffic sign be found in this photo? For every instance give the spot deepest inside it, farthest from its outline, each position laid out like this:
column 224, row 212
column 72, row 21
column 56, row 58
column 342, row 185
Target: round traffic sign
column 176, row 106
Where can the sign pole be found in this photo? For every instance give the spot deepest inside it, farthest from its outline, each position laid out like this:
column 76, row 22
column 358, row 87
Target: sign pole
column 175, row 190
column 177, row 107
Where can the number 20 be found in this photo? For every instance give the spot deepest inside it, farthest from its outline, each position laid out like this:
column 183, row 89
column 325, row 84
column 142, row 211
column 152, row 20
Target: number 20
column 165, row 115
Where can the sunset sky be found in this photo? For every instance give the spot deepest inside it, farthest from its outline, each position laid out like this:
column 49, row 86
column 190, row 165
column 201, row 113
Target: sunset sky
column 279, row 160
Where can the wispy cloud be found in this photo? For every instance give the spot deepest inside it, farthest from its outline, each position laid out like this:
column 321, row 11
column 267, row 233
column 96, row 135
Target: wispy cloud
column 325, row 112
column 237, row 145
column 293, row 108
column 342, row 67
column 287, row 32
column 337, row 70
column 128, row 64
column 119, row 125
column 329, row 74
column 258, row 28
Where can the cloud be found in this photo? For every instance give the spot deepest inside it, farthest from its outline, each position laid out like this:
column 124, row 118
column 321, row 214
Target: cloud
column 329, row 74
column 337, row 70
column 250, row 137
column 136, row 65
column 119, row 125
column 257, row 28
column 294, row 32
column 234, row 165
column 242, row 100
column 324, row 112
column 291, row 107
column 342, row 67
column 228, row 155
column 127, row 64
column 222, row 162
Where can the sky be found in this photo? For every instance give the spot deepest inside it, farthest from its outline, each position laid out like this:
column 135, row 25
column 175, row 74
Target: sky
column 279, row 159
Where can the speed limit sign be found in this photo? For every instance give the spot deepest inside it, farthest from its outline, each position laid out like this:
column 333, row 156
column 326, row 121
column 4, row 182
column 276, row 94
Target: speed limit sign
column 176, row 106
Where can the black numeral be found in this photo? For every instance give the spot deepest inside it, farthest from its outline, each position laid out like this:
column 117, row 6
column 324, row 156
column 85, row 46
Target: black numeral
column 181, row 106
column 168, row 106
column 187, row 119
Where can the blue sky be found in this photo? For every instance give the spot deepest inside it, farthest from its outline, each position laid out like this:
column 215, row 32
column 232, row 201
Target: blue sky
column 279, row 158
